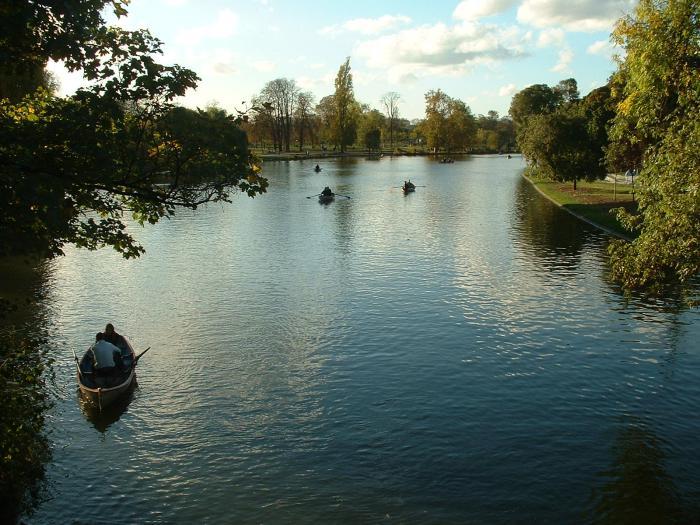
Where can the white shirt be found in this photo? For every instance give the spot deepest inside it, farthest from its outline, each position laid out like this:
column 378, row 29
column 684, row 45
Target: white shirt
column 104, row 354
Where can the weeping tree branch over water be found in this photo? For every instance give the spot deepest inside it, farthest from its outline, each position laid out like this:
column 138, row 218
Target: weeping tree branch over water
column 72, row 168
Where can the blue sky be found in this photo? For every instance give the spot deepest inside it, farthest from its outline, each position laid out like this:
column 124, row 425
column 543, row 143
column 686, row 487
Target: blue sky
column 480, row 51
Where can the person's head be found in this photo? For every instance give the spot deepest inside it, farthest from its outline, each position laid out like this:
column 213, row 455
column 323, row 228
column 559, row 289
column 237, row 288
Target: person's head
column 98, row 337
column 109, row 329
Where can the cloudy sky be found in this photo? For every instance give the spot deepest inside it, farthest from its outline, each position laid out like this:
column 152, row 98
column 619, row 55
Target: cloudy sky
column 481, row 51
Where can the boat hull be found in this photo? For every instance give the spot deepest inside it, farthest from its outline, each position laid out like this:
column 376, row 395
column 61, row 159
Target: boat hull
column 325, row 199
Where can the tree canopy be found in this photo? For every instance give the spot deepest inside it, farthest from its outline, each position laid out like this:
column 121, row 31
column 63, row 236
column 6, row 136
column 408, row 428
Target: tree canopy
column 659, row 113
column 345, row 107
column 72, row 169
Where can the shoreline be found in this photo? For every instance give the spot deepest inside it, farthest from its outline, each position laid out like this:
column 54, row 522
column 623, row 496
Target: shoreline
column 579, row 216
column 312, row 155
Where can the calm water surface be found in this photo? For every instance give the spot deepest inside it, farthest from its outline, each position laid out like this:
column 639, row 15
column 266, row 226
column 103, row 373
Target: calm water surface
column 456, row 355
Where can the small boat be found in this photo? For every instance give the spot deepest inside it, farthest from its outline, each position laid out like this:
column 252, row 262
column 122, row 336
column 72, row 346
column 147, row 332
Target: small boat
column 325, row 199
column 408, row 187
column 317, row 168
column 103, row 391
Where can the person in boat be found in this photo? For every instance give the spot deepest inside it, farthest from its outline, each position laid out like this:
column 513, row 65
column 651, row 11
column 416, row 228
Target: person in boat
column 327, row 192
column 105, row 357
column 317, row 168
column 113, row 337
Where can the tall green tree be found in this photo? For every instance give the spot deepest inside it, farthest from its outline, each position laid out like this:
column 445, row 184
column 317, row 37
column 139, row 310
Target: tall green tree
column 460, row 126
column 660, row 103
column 533, row 100
column 345, row 111
column 559, row 147
column 437, row 109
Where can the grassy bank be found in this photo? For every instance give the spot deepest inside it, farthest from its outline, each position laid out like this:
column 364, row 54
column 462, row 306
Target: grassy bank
column 591, row 201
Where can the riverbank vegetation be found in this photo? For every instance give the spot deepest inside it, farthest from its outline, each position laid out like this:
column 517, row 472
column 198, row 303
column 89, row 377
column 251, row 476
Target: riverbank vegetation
column 645, row 120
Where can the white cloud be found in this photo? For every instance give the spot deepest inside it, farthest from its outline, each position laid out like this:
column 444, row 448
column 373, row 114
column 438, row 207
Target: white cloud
column 264, row 66
column 565, row 58
column 440, row 50
column 224, row 25
column 579, row 15
column 507, row 91
column 603, row 48
column 475, row 9
column 366, row 26
column 320, row 82
column 551, row 37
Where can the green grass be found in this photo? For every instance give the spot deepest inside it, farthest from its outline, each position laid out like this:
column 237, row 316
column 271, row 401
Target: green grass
column 591, row 200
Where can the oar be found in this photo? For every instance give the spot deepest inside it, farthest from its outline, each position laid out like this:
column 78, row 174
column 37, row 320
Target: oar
column 136, row 359
column 317, row 195
column 339, row 195
column 77, row 363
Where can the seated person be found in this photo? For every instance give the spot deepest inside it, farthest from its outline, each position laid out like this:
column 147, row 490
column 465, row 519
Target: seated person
column 327, row 192
column 113, row 337
column 105, row 357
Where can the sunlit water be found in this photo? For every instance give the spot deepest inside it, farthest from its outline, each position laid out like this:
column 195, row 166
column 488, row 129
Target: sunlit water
column 456, row 355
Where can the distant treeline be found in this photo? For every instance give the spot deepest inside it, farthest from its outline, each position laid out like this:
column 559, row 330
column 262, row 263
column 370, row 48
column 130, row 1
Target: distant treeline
column 286, row 118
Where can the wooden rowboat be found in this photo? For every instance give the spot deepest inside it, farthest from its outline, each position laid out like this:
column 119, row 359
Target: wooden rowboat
column 103, row 391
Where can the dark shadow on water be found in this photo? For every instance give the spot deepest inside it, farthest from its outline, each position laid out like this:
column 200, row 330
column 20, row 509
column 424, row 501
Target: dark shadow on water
column 546, row 231
column 637, row 489
column 105, row 418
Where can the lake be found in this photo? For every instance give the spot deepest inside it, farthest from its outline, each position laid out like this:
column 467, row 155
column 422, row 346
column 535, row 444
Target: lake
column 455, row 355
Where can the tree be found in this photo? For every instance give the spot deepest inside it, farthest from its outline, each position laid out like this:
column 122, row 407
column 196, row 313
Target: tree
column 660, row 102
column 371, row 123
column 460, row 126
column 279, row 98
column 598, row 109
column 559, row 147
column 533, row 100
column 390, row 101
column 326, row 111
column 567, row 91
column 71, row 168
column 304, row 116
column 437, row 109
column 345, row 125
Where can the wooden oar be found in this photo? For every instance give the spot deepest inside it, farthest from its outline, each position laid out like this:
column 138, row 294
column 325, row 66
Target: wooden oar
column 339, row 195
column 77, row 364
column 136, row 359
column 317, row 195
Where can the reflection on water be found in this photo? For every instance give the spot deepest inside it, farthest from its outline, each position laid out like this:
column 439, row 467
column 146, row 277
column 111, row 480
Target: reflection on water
column 103, row 419
column 449, row 357
column 637, row 487
column 554, row 237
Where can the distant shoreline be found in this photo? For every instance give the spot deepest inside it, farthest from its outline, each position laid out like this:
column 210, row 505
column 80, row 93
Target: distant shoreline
column 364, row 154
